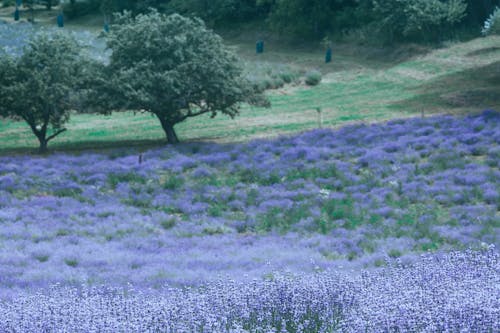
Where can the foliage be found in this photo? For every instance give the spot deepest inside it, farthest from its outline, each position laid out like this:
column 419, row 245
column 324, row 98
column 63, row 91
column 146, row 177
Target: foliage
column 107, row 7
column 492, row 24
column 418, row 19
column 266, row 75
column 307, row 18
column 75, row 8
column 301, row 17
column 215, row 11
column 39, row 86
column 143, row 6
column 478, row 11
column 49, row 3
column 313, row 78
column 7, row 3
column 172, row 67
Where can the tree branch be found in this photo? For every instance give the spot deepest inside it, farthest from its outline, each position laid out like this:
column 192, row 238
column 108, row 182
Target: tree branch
column 191, row 114
column 31, row 123
column 56, row 134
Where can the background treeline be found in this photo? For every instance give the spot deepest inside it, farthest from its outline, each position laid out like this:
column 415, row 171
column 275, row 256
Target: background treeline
column 376, row 20
column 385, row 20
column 47, row 3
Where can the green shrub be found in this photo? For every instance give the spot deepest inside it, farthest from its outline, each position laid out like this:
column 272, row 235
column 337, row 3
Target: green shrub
column 313, row 78
column 214, row 11
column 168, row 223
column 423, row 20
column 173, row 182
column 72, row 192
column 287, row 77
column 492, row 24
column 265, row 75
column 42, row 257
column 71, row 262
column 277, row 83
column 130, row 177
column 215, row 230
column 281, row 220
column 48, row 3
column 7, row 3
column 394, row 253
column 75, row 9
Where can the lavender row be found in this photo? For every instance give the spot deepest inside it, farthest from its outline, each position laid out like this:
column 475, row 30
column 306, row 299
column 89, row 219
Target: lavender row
column 457, row 292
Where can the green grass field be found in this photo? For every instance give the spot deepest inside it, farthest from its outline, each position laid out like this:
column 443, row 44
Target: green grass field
column 361, row 84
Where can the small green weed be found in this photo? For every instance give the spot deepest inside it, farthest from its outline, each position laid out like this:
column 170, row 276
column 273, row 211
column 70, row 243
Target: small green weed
column 168, row 223
column 130, row 177
column 71, row 262
column 173, row 182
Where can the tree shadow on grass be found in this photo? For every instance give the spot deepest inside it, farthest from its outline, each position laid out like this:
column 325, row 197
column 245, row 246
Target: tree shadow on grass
column 88, row 147
column 118, row 148
column 458, row 93
column 485, row 51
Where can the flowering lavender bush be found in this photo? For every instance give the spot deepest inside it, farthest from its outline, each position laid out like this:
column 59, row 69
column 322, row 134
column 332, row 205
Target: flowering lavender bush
column 14, row 37
column 316, row 202
column 413, row 184
column 457, row 292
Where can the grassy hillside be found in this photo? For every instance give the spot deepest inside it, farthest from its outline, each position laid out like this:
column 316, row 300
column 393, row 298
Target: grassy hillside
column 361, row 84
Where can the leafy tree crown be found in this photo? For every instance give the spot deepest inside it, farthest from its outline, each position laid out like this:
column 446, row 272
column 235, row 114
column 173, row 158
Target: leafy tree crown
column 173, row 67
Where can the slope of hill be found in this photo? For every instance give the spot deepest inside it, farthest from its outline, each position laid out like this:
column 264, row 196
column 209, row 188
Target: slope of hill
column 362, row 84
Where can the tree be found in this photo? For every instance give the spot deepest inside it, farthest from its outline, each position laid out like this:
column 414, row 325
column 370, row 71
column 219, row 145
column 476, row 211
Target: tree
column 479, row 10
column 215, row 11
column 310, row 18
column 30, row 5
column 39, row 86
column 49, row 3
column 418, row 19
column 172, row 67
column 108, row 7
column 492, row 24
column 301, row 17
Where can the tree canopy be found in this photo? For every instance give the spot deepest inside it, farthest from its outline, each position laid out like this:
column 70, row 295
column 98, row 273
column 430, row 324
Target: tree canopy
column 415, row 20
column 40, row 86
column 173, row 67
column 418, row 19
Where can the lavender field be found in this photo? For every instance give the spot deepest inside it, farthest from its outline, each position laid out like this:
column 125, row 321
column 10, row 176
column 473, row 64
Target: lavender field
column 324, row 231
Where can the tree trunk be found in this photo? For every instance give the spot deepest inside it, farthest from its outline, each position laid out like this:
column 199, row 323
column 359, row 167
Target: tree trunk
column 168, row 128
column 41, row 135
column 43, row 145
column 171, row 136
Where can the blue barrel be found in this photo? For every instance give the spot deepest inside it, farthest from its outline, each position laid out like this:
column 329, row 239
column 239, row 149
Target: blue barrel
column 19, row 3
column 16, row 14
column 259, row 47
column 60, row 20
column 328, row 56
column 106, row 27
